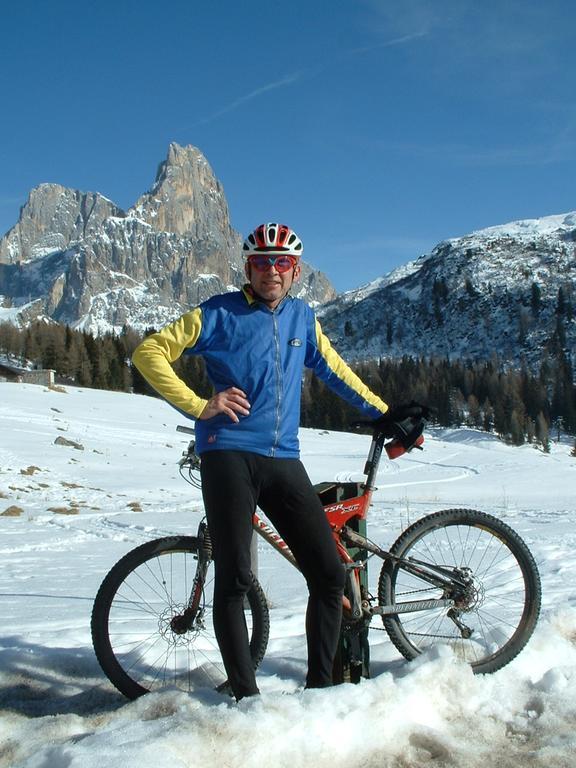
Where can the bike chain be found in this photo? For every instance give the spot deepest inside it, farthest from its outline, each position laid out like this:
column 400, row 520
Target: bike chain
column 419, row 634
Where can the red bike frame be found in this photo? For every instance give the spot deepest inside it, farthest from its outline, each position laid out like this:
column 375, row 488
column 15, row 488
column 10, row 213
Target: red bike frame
column 340, row 514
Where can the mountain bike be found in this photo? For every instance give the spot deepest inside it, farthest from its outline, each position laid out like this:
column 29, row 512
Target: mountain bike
column 458, row 577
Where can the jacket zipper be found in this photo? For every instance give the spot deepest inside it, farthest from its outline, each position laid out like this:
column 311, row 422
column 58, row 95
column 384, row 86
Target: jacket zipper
column 278, row 365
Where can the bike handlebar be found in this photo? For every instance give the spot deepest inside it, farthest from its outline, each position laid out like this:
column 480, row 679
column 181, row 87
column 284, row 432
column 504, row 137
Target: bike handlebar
column 387, row 423
column 187, row 430
column 404, row 426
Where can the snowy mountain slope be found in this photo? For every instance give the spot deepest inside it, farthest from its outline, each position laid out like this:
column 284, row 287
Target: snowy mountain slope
column 507, row 290
column 83, row 507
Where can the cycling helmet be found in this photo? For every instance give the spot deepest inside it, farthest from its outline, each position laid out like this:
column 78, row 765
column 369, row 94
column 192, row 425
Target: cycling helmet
column 273, row 238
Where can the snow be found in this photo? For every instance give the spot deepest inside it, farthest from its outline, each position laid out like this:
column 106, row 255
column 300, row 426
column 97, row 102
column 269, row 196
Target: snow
column 546, row 225
column 9, row 314
column 356, row 295
column 83, row 509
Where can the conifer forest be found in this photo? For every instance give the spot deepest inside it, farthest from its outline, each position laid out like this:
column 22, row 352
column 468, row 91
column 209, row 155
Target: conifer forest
column 519, row 405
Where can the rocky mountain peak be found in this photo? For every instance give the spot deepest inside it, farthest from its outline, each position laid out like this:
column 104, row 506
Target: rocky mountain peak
column 52, row 218
column 77, row 258
column 185, row 197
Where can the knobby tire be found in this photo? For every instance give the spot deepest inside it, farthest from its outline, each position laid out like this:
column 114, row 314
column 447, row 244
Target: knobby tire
column 131, row 632
column 507, row 589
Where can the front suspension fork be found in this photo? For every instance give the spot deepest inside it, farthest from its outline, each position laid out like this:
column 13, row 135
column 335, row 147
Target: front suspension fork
column 183, row 622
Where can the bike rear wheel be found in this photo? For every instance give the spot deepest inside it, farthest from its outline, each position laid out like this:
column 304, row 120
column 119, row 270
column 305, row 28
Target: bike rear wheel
column 133, row 637
column 501, row 608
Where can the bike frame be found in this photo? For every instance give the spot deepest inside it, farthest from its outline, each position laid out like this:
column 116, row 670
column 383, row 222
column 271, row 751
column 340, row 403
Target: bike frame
column 151, row 609
column 341, row 515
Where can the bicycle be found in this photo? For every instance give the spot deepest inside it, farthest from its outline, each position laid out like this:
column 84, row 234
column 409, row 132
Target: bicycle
column 458, row 576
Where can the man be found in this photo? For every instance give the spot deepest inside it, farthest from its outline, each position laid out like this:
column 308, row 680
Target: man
column 256, row 343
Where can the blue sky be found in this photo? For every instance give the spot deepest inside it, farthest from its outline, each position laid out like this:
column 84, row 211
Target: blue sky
column 375, row 128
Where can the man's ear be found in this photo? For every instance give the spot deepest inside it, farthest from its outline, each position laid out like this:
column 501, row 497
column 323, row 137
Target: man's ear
column 247, row 270
column 297, row 273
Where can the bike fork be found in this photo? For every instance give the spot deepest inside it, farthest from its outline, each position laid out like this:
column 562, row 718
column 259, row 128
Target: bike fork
column 192, row 614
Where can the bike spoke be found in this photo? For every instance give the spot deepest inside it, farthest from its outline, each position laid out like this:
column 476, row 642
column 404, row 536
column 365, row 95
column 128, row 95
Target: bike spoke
column 139, row 625
column 492, row 597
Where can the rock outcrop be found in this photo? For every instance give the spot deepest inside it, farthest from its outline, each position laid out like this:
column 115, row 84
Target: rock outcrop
column 79, row 259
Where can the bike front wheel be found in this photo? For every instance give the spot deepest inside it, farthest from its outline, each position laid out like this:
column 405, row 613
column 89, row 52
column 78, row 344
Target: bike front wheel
column 489, row 624
column 137, row 642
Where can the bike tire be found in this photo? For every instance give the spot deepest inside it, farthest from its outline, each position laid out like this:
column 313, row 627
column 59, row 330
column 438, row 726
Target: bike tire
column 134, row 643
column 507, row 589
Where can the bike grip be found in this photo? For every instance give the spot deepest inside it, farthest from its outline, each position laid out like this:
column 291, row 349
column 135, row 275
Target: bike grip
column 394, row 448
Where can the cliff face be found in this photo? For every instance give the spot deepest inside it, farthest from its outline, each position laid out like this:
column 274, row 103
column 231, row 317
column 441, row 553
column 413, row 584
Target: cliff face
column 77, row 258
column 53, row 218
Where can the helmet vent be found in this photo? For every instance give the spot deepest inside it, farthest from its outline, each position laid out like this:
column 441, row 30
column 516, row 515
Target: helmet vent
column 273, row 238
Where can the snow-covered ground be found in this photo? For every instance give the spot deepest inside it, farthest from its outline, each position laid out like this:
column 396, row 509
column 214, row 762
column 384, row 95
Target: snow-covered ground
column 68, row 513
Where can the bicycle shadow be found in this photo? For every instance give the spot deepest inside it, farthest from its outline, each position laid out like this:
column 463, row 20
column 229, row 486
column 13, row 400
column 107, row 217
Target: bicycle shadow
column 37, row 680
column 292, row 669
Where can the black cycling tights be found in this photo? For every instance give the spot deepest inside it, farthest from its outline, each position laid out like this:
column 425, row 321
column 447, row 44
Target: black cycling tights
column 233, row 483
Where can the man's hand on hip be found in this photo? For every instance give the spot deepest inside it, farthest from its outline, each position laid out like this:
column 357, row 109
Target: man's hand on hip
column 230, row 401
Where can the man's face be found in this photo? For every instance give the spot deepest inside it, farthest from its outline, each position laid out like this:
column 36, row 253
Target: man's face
column 271, row 285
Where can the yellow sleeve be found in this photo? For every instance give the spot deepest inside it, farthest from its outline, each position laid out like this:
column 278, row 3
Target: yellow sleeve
column 153, row 358
column 341, row 377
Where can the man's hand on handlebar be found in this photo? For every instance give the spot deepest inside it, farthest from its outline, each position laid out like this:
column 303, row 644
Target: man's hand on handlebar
column 403, row 425
column 396, row 420
column 407, row 410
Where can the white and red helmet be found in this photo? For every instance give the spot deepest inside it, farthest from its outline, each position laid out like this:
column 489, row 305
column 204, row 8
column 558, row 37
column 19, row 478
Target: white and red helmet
column 273, row 238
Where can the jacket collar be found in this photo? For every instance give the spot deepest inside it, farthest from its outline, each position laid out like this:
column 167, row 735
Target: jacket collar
column 254, row 301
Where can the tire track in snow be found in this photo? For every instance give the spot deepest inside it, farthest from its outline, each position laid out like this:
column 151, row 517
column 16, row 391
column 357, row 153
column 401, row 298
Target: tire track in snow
column 416, row 466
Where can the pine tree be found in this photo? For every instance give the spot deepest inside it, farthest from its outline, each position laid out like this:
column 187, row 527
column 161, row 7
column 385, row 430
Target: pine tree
column 53, row 347
column 523, row 326
column 542, row 433
column 516, row 428
column 536, row 299
column 561, row 303
column 473, row 407
column 10, row 339
column 31, row 349
column 488, row 420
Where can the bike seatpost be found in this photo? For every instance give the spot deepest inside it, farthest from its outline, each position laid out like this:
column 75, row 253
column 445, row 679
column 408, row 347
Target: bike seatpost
column 373, row 460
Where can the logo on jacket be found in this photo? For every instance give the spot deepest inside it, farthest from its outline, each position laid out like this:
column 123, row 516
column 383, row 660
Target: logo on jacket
column 295, row 342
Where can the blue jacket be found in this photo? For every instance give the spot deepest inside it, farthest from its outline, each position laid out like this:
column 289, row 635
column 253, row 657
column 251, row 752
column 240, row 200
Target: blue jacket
column 262, row 352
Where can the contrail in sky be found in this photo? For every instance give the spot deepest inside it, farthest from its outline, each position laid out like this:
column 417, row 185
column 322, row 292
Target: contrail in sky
column 388, row 43
column 288, row 80
column 292, row 78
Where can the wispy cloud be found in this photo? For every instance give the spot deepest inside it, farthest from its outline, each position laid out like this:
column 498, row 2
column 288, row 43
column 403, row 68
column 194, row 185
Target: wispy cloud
column 388, row 43
column 307, row 74
column 256, row 93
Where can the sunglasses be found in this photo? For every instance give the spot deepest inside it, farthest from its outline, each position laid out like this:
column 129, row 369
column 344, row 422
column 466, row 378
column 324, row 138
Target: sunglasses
column 263, row 262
